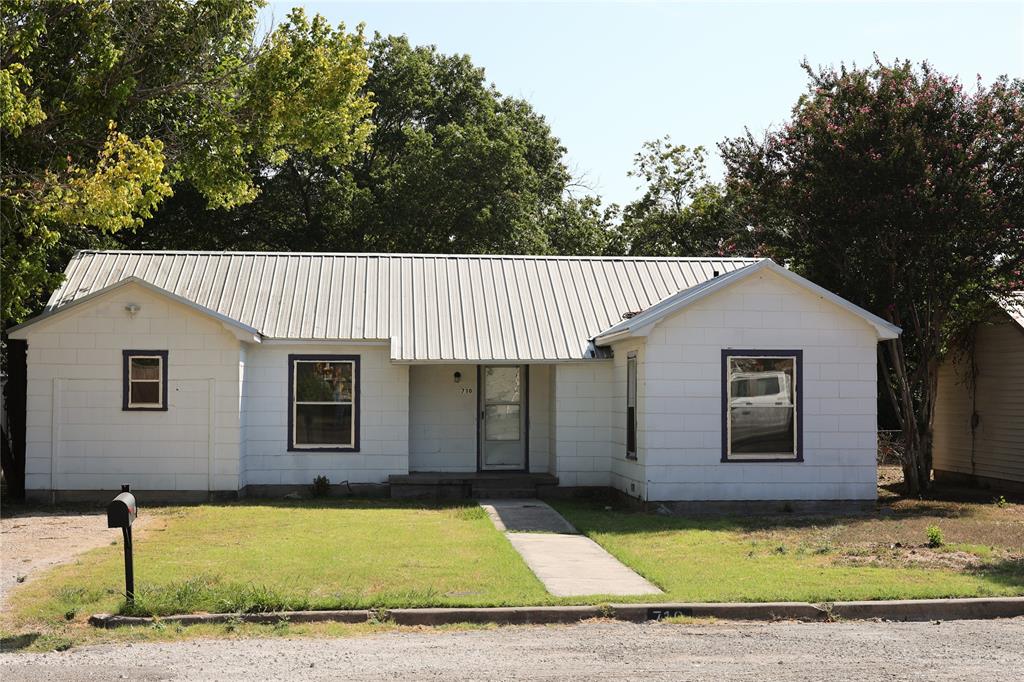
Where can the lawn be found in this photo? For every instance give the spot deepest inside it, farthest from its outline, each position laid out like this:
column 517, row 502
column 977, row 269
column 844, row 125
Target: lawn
column 786, row 557
column 302, row 555
column 258, row 556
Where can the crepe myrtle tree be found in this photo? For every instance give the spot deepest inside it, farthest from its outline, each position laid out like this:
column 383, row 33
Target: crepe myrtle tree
column 903, row 190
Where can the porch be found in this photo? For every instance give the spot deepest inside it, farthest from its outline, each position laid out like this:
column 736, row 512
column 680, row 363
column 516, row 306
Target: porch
column 440, row 485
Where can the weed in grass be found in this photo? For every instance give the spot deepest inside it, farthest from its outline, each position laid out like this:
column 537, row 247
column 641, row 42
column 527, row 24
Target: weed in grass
column 70, row 614
column 469, row 513
column 379, row 616
column 1000, row 501
column 934, row 537
column 233, row 622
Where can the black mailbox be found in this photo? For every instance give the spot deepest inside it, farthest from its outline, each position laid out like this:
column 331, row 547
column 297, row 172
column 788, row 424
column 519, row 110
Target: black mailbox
column 121, row 512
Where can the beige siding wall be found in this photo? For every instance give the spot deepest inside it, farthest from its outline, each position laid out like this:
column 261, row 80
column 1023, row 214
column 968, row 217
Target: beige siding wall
column 997, row 448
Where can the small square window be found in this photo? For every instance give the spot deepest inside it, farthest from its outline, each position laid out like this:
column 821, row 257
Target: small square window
column 145, row 380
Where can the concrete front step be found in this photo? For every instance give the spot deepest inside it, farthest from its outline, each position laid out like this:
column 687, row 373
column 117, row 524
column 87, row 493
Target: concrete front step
column 472, row 485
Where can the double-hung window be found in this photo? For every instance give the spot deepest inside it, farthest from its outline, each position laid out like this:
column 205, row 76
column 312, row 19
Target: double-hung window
column 631, row 405
column 761, row 405
column 323, row 397
column 144, row 382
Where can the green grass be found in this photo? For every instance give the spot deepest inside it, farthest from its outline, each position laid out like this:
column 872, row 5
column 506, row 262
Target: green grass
column 780, row 559
column 321, row 554
column 250, row 557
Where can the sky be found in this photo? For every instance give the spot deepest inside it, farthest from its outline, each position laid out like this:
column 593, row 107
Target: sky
column 610, row 76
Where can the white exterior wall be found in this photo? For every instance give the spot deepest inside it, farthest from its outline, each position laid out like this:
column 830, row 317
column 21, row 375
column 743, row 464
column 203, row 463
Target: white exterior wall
column 383, row 419
column 443, row 418
column 681, row 408
column 581, row 424
column 81, row 428
column 627, row 474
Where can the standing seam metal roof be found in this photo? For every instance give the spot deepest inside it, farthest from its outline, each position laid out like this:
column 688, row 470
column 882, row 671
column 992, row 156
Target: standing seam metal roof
column 431, row 307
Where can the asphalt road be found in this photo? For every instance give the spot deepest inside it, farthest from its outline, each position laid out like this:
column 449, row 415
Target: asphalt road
column 861, row 651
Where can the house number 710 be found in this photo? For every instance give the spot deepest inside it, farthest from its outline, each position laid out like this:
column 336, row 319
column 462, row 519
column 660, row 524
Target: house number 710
column 466, row 390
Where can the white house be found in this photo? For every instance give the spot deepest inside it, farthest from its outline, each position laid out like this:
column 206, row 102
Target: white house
column 252, row 373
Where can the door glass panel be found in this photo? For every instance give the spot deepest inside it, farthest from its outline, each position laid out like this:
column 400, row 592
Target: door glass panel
column 501, row 385
column 501, row 422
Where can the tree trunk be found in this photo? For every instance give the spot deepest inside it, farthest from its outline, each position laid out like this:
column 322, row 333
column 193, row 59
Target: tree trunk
column 916, row 420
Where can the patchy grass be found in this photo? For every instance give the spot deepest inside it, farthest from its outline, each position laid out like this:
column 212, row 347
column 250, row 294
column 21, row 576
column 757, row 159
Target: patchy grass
column 253, row 557
column 786, row 557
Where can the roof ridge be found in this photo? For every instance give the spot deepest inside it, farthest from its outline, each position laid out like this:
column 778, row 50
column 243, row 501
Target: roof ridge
column 371, row 254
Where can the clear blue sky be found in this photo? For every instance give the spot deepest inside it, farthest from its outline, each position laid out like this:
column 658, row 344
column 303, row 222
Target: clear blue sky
column 608, row 76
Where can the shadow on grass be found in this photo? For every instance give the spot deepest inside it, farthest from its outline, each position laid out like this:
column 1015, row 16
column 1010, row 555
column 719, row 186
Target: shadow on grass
column 1008, row 572
column 18, row 642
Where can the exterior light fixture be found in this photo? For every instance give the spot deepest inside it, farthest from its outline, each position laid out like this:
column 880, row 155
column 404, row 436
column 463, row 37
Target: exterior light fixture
column 132, row 309
column 458, row 377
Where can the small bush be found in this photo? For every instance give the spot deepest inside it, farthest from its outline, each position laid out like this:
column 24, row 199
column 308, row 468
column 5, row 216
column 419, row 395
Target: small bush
column 935, row 536
column 321, row 486
column 1000, row 501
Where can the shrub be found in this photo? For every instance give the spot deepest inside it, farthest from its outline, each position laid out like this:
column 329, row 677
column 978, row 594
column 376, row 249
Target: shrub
column 321, row 486
column 935, row 536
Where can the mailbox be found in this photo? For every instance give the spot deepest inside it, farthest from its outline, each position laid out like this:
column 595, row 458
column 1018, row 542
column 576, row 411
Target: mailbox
column 121, row 512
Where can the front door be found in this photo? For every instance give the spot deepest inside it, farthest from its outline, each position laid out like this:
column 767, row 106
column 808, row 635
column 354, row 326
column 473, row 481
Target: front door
column 502, row 417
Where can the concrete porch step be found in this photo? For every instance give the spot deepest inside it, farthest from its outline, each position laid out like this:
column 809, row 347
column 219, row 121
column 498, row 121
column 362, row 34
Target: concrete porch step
column 471, row 485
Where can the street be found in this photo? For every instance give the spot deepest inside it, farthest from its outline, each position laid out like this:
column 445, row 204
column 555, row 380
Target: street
column 598, row 650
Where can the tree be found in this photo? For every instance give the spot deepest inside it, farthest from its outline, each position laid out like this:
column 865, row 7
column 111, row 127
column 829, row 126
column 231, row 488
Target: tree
column 105, row 105
column 681, row 213
column 904, row 193
column 452, row 165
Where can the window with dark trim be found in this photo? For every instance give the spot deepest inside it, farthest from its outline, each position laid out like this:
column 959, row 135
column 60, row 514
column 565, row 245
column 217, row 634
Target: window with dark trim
column 323, row 403
column 631, row 405
column 762, row 413
column 144, row 380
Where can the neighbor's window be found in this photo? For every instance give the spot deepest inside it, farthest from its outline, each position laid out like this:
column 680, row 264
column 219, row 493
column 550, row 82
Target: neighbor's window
column 145, row 380
column 761, row 405
column 631, row 405
column 323, row 396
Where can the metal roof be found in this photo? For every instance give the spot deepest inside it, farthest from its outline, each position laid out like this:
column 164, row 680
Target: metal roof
column 639, row 325
column 431, row 307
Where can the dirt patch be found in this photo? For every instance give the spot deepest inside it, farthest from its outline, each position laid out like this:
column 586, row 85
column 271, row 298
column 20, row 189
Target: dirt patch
column 896, row 556
column 36, row 540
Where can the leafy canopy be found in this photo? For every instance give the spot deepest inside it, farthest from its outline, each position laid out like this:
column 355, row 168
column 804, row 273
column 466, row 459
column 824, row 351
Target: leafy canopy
column 105, row 105
column 904, row 192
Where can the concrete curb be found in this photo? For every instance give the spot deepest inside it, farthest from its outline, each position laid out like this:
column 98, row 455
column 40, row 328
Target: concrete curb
column 898, row 610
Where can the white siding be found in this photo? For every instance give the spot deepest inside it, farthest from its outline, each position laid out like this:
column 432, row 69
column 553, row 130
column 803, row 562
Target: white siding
column 383, row 414
column 582, row 423
column 681, row 407
column 443, row 419
column 627, row 474
column 81, row 427
column 998, row 443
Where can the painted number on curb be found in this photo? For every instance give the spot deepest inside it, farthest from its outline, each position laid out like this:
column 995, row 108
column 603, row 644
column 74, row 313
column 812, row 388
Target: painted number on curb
column 659, row 614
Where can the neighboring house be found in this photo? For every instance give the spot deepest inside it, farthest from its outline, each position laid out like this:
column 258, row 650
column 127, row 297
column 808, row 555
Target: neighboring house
column 979, row 407
column 253, row 373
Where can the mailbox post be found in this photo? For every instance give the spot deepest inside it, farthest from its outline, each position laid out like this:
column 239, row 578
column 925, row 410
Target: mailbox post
column 121, row 513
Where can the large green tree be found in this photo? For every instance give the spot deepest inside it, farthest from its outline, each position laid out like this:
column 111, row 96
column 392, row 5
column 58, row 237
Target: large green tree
column 681, row 212
column 107, row 105
column 452, row 165
column 903, row 191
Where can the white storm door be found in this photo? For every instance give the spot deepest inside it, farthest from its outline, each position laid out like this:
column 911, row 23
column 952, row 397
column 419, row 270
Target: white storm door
column 502, row 418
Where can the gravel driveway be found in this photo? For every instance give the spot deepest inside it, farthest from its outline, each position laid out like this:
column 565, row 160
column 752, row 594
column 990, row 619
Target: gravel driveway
column 31, row 541
column 862, row 651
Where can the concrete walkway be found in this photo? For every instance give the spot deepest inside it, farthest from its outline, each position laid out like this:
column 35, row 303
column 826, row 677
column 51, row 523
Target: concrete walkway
column 569, row 564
